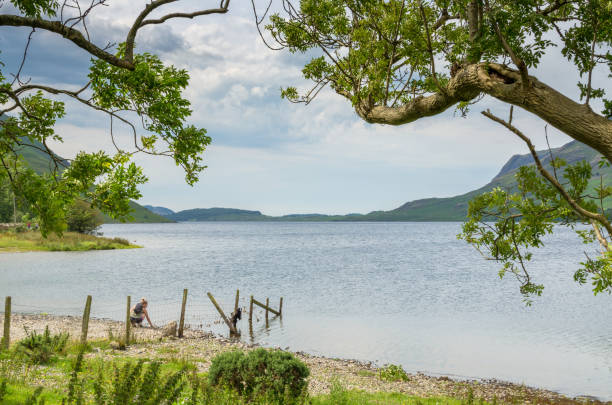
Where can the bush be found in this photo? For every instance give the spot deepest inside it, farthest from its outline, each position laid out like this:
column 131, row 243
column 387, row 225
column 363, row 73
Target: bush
column 133, row 383
column 82, row 218
column 393, row 373
column 40, row 348
column 275, row 374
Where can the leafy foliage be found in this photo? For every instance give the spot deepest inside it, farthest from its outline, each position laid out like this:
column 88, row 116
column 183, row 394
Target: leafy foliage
column 141, row 87
column 505, row 226
column 82, row 218
column 135, row 383
column 272, row 374
column 392, row 372
column 383, row 53
column 41, row 348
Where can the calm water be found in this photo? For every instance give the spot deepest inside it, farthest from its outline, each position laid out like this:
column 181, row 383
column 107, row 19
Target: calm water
column 407, row 293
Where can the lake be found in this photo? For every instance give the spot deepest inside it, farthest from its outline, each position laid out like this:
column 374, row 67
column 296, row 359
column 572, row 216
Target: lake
column 402, row 293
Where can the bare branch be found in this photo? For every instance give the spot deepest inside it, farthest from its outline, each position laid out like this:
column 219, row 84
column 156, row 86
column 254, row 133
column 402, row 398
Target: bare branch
column 69, row 33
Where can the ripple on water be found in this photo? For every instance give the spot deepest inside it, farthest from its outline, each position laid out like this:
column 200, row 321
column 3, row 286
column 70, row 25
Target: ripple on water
column 407, row 293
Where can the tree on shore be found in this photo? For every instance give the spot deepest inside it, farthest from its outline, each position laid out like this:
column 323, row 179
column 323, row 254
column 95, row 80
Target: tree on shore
column 398, row 61
column 137, row 91
column 82, row 218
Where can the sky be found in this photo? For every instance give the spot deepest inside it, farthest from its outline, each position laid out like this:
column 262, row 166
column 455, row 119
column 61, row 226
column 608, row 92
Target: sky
column 266, row 153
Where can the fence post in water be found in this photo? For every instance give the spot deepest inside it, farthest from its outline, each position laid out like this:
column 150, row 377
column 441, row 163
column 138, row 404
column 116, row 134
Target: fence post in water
column 280, row 307
column 6, row 338
column 127, row 321
column 182, row 320
column 227, row 322
column 237, row 299
column 251, row 312
column 267, row 306
column 85, row 325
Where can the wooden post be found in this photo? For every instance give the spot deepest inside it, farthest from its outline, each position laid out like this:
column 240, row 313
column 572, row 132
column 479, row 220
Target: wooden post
column 267, row 308
column 251, row 312
column 182, row 320
column 85, row 324
column 237, row 299
column 128, row 323
column 280, row 307
column 227, row 322
column 6, row 338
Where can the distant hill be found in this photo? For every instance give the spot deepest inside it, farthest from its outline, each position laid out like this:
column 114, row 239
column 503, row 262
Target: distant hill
column 141, row 215
column 217, row 214
column 428, row 209
column 40, row 162
column 163, row 211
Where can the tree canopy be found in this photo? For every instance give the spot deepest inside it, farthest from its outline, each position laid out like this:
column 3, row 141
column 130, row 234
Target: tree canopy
column 132, row 89
column 397, row 61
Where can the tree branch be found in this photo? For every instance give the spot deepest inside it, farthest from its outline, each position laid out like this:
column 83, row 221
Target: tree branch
column 69, row 33
column 600, row 218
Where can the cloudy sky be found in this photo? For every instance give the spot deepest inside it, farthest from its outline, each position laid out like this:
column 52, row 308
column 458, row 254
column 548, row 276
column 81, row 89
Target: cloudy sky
column 268, row 154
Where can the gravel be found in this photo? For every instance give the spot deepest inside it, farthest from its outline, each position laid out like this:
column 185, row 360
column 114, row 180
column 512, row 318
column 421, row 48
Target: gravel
column 200, row 347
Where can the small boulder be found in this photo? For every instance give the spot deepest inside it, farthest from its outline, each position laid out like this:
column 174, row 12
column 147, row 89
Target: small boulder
column 169, row 330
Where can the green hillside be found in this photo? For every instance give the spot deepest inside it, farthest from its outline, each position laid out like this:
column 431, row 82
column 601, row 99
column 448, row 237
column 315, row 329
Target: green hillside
column 140, row 214
column 455, row 208
column 217, row 214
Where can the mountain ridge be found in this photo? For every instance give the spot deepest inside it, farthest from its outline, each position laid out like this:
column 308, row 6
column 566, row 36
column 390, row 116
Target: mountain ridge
column 421, row 210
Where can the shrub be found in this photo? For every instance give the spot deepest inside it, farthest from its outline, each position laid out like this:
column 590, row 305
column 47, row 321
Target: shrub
column 137, row 384
column 274, row 374
column 121, row 241
column 40, row 348
column 392, row 372
column 82, row 218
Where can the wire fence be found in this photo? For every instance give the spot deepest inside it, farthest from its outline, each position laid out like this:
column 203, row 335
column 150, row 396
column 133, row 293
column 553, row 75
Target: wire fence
column 200, row 314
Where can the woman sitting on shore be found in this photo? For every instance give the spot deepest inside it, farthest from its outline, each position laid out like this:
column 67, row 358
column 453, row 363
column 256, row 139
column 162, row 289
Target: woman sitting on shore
column 139, row 312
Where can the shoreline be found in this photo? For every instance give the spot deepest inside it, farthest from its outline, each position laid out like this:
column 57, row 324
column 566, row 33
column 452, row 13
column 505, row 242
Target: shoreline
column 12, row 241
column 200, row 347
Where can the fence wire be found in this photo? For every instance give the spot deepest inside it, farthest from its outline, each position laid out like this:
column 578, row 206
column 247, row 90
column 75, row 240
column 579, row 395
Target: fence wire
column 200, row 313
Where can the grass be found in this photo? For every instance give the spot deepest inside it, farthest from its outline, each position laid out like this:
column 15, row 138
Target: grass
column 28, row 241
column 23, row 379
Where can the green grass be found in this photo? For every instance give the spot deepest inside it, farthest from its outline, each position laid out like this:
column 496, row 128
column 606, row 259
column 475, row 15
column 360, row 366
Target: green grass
column 11, row 241
column 18, row 395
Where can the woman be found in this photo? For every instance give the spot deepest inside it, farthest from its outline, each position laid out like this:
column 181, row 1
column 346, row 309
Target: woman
column 139, row 312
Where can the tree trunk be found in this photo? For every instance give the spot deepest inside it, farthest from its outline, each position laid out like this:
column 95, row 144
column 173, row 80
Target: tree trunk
column 505, row 84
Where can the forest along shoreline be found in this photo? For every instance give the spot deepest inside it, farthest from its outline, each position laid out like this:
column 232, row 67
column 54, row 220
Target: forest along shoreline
column 200, row 347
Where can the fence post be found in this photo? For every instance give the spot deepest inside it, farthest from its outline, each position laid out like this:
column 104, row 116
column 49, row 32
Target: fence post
column 267, row 306
column 6, row 339
column 227, row 322
column 251, row 312
column 280, row 307
column 237, row 299
column 85, row 325
column 127, row 322
column 182, row 320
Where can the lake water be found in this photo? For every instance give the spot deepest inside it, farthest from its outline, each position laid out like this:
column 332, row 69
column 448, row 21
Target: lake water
column 402, row 293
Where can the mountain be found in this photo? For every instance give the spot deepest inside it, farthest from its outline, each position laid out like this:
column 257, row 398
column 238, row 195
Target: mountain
column 40, row 162
column 455, row 208
column 428, row 209
column 163, row 211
